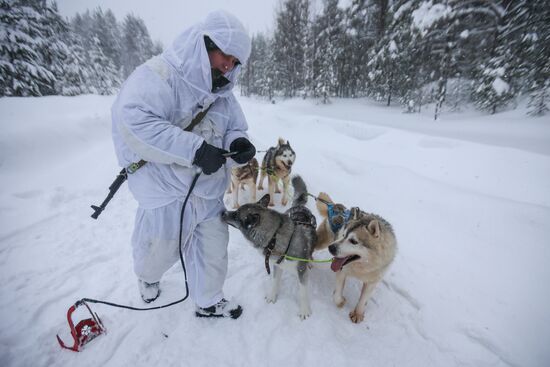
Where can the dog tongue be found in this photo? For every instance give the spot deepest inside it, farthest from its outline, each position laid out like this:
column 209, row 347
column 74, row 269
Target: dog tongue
column 338, row 263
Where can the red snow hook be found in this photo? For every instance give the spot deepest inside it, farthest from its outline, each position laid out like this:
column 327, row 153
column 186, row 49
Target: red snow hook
column 85, row 331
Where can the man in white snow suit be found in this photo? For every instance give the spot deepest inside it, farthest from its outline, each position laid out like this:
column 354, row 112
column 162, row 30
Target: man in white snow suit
column 154, row 106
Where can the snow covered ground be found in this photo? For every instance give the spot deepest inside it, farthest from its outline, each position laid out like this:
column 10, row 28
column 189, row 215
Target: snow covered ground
column 468, row 196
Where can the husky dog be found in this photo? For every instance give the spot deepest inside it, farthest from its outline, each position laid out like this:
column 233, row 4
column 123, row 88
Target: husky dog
column 277, row 165
column 241, row 176
column 278, row 234
column 335, row 217
column 365, row 250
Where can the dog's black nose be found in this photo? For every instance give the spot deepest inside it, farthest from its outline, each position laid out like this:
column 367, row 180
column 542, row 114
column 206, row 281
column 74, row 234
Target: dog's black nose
column 332, row 249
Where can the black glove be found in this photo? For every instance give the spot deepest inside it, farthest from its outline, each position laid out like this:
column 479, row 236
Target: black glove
column 209, row 158
column 244, row 148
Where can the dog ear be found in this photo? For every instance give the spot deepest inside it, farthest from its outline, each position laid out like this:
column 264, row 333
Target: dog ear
column 374, row 228
column 281, row 141
column 264, row 201
column 251, row 220
column 355, row 213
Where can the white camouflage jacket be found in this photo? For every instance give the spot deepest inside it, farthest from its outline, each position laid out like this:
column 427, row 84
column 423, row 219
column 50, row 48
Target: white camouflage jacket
column 160, row 98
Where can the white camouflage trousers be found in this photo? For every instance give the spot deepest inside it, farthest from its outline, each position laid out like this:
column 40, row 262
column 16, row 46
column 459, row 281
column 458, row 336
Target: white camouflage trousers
column 205, row 238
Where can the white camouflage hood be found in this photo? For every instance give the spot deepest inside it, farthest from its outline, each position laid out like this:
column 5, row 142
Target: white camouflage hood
column 188, row 55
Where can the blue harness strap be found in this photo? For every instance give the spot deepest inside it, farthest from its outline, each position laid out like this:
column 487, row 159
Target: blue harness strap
column 336, row 227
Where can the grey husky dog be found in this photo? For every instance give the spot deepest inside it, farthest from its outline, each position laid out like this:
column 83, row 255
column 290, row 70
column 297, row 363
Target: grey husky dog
column 273, row 233
column 277, row 165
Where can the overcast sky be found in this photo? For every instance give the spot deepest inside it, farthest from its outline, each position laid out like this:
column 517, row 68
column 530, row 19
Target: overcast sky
column 165, row 19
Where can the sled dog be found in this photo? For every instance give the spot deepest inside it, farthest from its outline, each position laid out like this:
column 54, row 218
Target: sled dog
column 242, row 176
column 277, row 165
column 364, row 250
column 276, row 235
column 335, row 217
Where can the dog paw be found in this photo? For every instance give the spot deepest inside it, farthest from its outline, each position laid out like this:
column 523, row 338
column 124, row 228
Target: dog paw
column 339, row 301
column 304, row 313
column 356, row 317
column 271, row 298
column 284, row 202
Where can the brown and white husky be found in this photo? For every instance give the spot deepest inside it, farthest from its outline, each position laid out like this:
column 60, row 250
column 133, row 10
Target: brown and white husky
column 242, row 176
column 363, row 246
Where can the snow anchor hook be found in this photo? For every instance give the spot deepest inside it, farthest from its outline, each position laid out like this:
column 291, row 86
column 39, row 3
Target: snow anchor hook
column 85, row 331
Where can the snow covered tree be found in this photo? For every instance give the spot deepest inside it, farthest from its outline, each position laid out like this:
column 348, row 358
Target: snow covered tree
column 258, row 74
column 527, row 37
column 107, row 31
column 492, row 76
column 103, row 76
column 96, row 46
column 289, row 49
column 539, row 98
column 74, row 80
column 366, row 25
column 137, row 46
column 24, row 71
column 328, row 32
column 83, row 26
column 247, row 78
column 55, row 50
column 265, row 67
column 493, row 90
column 394, row 62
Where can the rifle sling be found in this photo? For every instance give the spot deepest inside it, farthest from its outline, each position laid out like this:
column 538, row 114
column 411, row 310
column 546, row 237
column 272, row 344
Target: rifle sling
column 132, row 168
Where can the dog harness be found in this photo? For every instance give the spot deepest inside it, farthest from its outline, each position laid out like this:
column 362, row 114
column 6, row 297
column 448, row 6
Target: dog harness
column 268, row 250
column 331, row 215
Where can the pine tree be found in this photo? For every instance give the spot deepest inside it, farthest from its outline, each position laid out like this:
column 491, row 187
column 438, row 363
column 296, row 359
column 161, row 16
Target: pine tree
column 264, row 71
column 493, row 88
column 107, row 31
column 24, row 72
column 393, row 64
column 76, row 76
column 258, row 73
column 103, row 76
column 328, row 33
column 292, row 23
column 247, row 76
column 367, row 22
column 137, row 46
column 83, row 25
column 55, row 50
column 95, row 48
column 539, row 98
column 527, row 34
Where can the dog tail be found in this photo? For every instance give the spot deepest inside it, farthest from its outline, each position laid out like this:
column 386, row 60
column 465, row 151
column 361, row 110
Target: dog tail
column 300, row 191
column 320, row 204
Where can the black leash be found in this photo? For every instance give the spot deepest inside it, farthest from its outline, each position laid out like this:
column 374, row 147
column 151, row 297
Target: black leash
column 91, row 300
column 318, row 199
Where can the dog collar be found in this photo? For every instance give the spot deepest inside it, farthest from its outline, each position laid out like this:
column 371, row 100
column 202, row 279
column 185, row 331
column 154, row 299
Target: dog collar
column 335, row 227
